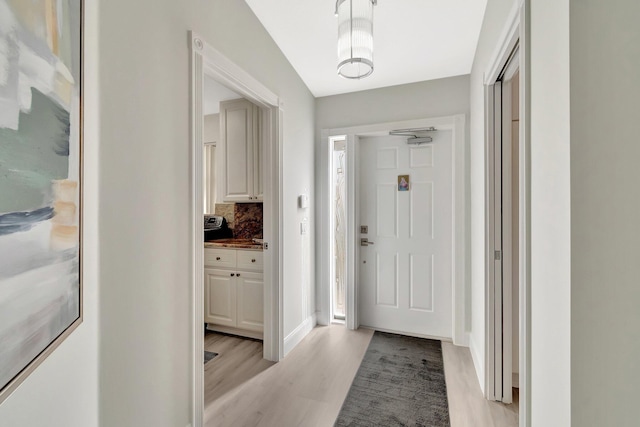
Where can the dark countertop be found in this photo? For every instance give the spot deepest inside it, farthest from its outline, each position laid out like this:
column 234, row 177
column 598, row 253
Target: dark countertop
column 248, row 244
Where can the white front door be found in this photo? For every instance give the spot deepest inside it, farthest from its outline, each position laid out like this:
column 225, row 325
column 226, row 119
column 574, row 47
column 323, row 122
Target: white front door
column 405, row 275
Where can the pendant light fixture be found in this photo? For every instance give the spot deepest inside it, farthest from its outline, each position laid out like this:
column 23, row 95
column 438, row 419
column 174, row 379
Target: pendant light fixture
column 355, row 38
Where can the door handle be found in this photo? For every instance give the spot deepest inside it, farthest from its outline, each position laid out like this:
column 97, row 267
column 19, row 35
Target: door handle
column 365, row 242
column 232, row 274
column 238, row 274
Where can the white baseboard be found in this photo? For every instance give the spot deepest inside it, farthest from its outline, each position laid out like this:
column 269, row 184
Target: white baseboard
column 478, row 362
column 298, row 334
column 463, row 340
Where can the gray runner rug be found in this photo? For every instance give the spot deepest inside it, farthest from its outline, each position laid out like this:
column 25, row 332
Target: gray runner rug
column 400, row 382
column 209, row 355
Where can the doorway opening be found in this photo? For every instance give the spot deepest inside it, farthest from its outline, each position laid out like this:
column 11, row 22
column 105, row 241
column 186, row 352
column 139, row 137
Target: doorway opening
column 339, row 231
column 507, row 222
column 245, row 288
column 503, row 234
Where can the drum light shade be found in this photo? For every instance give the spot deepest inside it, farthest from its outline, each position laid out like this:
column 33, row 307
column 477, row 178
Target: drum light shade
column 355, row 38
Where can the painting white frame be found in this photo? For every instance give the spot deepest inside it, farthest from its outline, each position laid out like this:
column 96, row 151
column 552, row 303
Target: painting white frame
column 14, row 383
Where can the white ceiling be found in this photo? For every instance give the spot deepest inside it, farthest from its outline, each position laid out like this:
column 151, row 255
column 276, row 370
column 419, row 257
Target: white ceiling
column 414, row 40
column 214, row 93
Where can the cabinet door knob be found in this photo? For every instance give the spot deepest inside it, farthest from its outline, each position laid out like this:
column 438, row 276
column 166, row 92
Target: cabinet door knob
column 238, row 274
column 232, row 274
column 253, row 260
column 217, row 258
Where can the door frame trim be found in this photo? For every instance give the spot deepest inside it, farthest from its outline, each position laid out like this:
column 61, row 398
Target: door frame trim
column 206, row 60
column 515, row 33
column 460, row 202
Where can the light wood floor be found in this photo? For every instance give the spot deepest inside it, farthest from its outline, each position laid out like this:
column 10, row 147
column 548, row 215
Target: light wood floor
column 467, row 405
column 308, row 387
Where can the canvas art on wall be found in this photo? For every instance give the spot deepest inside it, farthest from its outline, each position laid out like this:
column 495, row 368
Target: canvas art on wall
column 40, row 181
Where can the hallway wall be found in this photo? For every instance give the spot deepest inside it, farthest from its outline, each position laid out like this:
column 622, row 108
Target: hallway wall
column 605, row 201
column 145, row 303
column 433, row 98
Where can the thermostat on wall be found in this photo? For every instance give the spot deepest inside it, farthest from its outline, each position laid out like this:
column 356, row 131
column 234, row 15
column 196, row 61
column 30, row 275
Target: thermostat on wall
column 303, row 201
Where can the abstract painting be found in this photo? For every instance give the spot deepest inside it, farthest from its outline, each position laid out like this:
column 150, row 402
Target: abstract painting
column 40, row 181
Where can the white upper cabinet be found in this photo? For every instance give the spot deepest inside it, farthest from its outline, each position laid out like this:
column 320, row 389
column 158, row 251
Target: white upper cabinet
column 241, row 159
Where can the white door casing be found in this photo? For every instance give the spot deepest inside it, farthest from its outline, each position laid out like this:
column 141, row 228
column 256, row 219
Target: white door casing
column 406, row 276
column 515, row 34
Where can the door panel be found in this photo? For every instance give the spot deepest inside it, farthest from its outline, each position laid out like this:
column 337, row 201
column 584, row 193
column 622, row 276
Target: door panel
column 387, row 204
column 387, row 280
column 220, row 297
column 250, row 288
column 421, row 210
column 421, row 282
column 405, row 276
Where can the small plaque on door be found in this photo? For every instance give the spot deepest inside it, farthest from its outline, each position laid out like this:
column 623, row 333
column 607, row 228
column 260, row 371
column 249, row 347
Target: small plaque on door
column 403, row 183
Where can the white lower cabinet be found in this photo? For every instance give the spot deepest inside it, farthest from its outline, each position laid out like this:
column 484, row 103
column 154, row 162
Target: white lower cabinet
column 249, row 301
column 220, row 297
column 234, row 289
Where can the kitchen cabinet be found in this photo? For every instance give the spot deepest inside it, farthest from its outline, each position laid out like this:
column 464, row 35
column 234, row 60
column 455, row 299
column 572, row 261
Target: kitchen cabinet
column 220, row 297
column 241, row 159
column 234, row 291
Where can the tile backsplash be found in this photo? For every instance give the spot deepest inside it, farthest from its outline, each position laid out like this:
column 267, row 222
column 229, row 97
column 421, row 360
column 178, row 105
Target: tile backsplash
column 245, row 219
column 248, row 221
column 227, row 210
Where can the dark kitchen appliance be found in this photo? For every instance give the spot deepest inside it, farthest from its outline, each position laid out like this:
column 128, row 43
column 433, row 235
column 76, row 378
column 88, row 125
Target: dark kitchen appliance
column 215, row 227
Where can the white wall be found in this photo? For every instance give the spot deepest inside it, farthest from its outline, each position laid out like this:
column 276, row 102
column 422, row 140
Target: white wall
column 145, row 307
column 605, row 201
column 428, row 99
column 433, row 98
column 494, row 21
column 211, row 130
column 550, row 214
column 63, row 390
